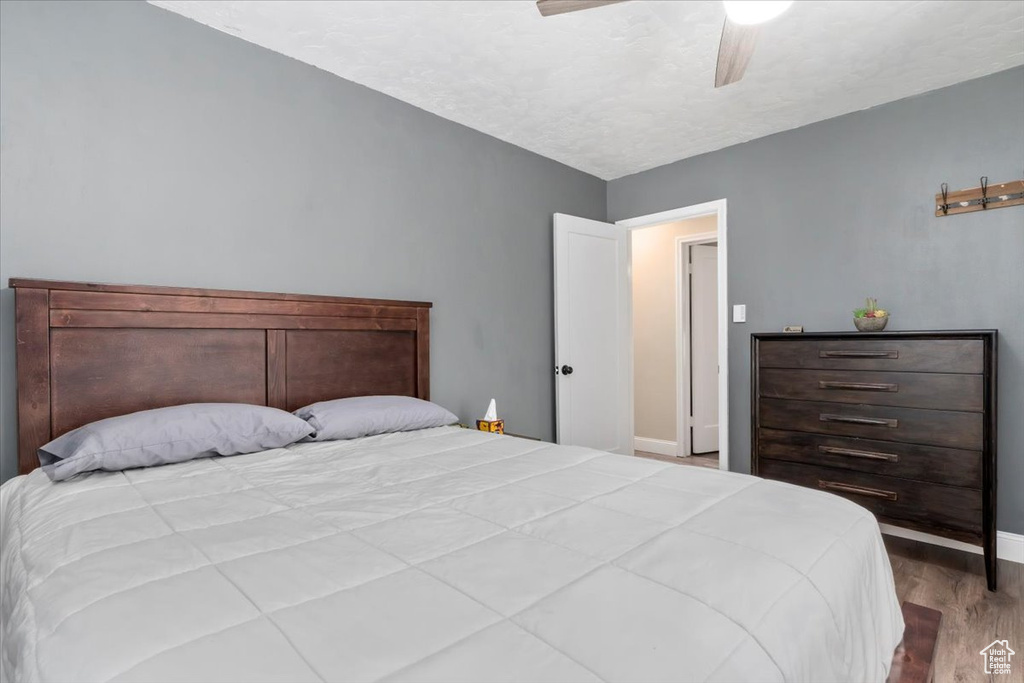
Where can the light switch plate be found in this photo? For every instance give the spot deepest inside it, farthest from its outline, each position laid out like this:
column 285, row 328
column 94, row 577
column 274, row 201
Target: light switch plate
column 739, row 313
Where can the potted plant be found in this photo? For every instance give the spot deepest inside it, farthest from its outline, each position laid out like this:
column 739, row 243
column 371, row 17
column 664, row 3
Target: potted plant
column 871, row 318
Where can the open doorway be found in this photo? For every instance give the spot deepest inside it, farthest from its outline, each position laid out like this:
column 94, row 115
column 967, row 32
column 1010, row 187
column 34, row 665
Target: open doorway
column 674, row 269
column 710, row 211
column 594, row 337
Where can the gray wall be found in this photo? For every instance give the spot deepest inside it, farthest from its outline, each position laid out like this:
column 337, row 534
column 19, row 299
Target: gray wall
column 141, row 147
column 823, row 216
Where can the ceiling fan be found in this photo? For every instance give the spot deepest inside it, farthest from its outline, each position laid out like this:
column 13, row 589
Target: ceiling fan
column 739, row 34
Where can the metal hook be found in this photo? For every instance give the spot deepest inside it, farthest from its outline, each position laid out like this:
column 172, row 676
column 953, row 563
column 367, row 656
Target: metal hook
column 945, row 199
column 984, row 192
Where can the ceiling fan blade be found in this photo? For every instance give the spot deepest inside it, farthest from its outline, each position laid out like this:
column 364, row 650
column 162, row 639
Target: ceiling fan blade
column 734, row 52
column 552, row 7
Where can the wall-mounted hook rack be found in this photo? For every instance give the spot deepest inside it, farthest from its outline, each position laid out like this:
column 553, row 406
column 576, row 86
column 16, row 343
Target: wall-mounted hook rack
column 985, row 197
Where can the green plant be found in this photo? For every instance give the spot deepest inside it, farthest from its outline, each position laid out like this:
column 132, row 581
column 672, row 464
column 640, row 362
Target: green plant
column 871, row 311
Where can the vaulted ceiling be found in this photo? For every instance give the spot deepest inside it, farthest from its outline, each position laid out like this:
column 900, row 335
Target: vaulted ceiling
column 619, row 89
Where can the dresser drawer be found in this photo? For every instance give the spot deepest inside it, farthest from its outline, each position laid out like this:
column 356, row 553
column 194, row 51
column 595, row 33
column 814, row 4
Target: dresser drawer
column 909, row 389
column 900, row 355
column 908, row 461
column 909, row 425
column 894, row 499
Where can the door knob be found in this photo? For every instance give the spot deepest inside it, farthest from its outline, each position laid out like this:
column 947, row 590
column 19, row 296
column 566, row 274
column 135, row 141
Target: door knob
column 566, row 369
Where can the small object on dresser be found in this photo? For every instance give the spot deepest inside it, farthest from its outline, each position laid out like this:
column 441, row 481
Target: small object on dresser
column 870, row 318
column 491, row 423
column 793, row 329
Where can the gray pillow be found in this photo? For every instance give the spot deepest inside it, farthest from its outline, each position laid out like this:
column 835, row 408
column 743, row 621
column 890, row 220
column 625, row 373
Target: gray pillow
column 351, row 418
column 167, row 435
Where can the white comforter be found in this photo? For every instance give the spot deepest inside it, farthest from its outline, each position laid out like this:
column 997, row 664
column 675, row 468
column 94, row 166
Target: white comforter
column 441, row 555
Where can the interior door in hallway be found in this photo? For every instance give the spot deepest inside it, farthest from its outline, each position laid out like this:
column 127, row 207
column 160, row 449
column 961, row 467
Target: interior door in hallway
column 704, row 347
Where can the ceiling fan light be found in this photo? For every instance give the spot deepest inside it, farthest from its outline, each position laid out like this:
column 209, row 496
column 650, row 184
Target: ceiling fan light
column 749, row 12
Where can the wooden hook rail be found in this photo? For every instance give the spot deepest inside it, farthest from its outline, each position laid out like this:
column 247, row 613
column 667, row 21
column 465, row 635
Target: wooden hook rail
column 985, row 197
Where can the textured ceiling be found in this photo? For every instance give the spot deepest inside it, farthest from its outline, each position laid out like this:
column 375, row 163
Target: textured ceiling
column 620, row 89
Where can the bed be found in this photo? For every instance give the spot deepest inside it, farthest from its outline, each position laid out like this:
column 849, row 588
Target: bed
column 443, row 554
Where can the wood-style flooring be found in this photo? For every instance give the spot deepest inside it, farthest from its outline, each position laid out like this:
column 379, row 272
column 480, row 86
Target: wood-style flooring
column 953, row 582
column 704, row 460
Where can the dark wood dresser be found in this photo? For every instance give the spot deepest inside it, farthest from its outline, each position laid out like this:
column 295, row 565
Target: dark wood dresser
column 903, row 423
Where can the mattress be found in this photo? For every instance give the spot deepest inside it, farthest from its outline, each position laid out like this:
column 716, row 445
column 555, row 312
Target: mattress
column 440, row 555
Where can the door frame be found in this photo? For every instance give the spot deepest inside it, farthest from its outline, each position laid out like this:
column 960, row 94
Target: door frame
column 684, row 379
column 717, row 208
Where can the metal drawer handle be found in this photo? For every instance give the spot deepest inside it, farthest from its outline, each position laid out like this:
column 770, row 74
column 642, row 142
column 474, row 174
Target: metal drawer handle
column 867, row 455
column 858, row 354
column 851, row 419
column 858, row 386
column 859, row 490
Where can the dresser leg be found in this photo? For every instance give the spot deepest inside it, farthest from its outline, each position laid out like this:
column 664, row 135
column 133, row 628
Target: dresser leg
column 990, row 561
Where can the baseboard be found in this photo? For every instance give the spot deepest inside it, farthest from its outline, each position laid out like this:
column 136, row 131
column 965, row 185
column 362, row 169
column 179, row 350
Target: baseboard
column 656, row 446
column 1008, row 546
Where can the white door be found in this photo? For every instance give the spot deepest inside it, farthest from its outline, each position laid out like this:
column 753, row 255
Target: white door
column 704, row 349
column 591, row 335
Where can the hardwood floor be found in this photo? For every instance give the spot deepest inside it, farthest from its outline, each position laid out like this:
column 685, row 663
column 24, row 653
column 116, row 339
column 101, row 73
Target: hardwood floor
column 704, row 460
column 953, row 582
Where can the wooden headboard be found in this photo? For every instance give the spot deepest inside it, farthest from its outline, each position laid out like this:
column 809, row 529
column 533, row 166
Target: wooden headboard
column 90, row 351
